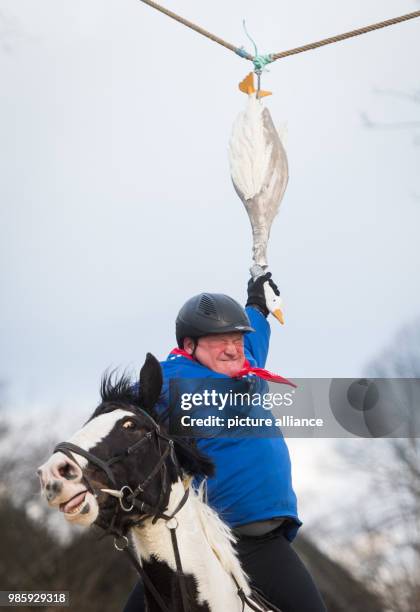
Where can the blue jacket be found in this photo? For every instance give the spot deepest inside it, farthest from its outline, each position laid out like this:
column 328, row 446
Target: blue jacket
column 253, row 474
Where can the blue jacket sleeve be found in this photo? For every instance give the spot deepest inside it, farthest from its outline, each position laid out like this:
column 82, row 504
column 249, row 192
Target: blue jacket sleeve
column 256, row 343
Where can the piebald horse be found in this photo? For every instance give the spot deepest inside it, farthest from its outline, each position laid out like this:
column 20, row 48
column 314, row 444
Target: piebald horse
column 121, row 471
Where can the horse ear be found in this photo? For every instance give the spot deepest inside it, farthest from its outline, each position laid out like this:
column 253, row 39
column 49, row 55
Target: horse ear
column 150, row 384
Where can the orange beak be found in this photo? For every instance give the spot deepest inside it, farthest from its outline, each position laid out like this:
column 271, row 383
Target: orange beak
column 278, row 313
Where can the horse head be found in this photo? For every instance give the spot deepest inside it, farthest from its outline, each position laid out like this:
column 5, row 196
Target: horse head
column 120, row 466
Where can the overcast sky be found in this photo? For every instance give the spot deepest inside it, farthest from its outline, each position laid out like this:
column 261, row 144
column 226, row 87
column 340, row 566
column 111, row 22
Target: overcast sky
column 116, row 200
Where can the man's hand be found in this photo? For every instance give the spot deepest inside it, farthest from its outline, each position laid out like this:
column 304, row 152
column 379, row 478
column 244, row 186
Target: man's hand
column 256, row 292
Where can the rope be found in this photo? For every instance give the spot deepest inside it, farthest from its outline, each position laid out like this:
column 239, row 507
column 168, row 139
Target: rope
column 262, row 60
column 334, row 39
column 193, row 26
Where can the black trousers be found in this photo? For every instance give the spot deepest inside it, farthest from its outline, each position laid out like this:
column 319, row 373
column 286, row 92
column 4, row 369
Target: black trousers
column 274, row 568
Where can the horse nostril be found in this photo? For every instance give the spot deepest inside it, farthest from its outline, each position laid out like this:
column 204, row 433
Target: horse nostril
column 67, row 471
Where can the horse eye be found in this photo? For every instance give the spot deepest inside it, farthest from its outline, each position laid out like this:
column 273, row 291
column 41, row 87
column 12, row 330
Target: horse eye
column 129, row 424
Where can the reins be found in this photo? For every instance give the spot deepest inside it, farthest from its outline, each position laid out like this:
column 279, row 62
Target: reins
column 257, row 599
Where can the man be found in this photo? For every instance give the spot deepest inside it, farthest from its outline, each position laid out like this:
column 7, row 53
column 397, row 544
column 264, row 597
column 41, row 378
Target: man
column 252, row 488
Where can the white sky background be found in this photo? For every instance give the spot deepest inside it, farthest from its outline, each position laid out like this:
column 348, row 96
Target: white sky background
column 116, row 200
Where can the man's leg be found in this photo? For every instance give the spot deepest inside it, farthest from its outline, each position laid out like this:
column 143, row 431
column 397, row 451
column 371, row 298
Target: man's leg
column 135, row 602
column 275, row 568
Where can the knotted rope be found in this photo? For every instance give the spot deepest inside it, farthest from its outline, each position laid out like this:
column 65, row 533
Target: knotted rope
column 262, row 60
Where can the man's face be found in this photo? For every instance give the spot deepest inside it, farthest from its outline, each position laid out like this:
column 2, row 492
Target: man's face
column 222, row 353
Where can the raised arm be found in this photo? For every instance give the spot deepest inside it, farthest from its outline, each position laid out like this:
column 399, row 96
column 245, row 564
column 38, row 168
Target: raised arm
column 257, row 343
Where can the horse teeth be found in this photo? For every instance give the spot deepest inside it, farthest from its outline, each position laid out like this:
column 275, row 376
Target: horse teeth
column 76, row 509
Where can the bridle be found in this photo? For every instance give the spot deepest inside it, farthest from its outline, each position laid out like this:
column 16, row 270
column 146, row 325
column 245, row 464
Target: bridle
column 127, row 499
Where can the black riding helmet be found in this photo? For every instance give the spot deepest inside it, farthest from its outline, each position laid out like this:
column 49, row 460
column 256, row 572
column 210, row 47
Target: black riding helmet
column 210, row 313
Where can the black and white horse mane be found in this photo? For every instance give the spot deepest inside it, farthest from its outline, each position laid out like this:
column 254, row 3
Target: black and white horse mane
column 119, row 391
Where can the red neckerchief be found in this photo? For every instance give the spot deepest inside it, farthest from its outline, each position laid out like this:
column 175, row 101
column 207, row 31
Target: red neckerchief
column 246, row 369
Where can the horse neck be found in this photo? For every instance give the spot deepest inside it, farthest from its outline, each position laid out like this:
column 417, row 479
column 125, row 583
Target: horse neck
column 205, row 546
